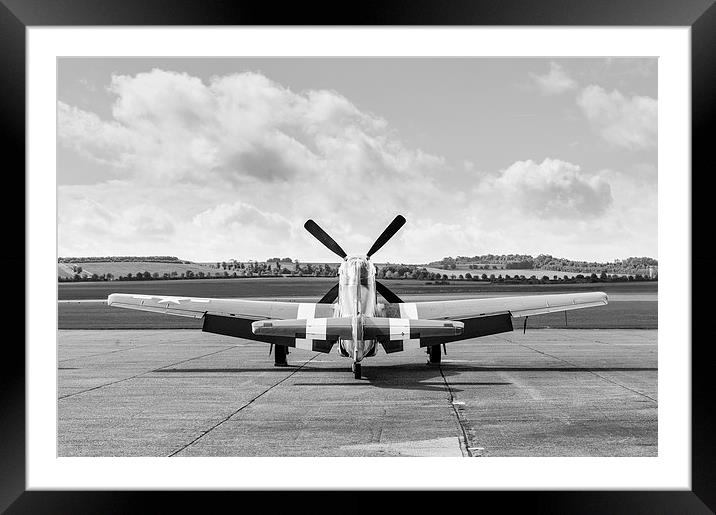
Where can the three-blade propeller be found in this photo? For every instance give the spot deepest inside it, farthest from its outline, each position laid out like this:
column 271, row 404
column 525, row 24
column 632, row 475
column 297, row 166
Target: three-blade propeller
column 331, row 244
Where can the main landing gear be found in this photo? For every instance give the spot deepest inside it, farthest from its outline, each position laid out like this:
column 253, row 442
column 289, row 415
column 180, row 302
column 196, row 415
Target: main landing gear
column 280, row 353
column 356, row 370
column 435, row 354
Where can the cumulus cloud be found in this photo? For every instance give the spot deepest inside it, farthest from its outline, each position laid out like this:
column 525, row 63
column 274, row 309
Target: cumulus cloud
column 551, row 189
column 622, row 121
column 232, row 166
column 172, row 126
column 555, row 81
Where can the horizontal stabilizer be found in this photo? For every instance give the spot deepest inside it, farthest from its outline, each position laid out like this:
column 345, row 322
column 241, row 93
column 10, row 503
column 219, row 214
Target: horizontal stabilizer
column 373, row 328
column 408, row 329
column 313, row 328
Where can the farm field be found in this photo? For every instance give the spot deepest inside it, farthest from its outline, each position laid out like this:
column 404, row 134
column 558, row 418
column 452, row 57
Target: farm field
column 615, row 315
column 317, row 286
column 632, row 305
column 119, row 268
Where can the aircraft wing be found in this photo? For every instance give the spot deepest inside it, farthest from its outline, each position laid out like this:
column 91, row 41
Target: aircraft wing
column 196, row 307
column 482, row 317
column 517, row 306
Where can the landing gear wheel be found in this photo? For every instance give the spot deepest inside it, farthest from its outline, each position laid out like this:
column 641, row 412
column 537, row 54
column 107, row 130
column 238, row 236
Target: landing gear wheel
column 435, row 354
column 356, row 370
column 279, row 354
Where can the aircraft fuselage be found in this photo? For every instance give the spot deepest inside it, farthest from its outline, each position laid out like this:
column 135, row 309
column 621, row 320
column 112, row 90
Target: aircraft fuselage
column 357, row 299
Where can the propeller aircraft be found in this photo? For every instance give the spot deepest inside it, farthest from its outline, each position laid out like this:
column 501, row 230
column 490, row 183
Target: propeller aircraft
column 359, row 314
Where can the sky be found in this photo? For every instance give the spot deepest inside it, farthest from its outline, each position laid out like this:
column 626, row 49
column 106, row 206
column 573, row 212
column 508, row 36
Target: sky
column 210, row 159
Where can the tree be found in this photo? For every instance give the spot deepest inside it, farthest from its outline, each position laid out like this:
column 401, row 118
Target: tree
column 468, row 275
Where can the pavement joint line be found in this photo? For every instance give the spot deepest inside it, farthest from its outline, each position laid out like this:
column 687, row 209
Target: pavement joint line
column 105, row 353
column 464, row 441
column 582, row 369
column 143, row 373
column 226, row 419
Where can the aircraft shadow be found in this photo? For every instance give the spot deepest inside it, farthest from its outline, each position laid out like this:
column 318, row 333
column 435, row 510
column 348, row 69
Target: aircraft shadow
column 417, row 376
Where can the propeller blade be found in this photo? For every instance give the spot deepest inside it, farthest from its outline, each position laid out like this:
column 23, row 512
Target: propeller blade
column 323, row 237
column 387, row 294
column 388, row 233
column 330, row 296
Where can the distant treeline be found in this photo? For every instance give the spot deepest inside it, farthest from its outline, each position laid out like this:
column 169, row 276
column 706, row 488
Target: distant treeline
column 631, row 265
column 388, row 272
column 222, row 271
column 422, row 274
column 120, row 259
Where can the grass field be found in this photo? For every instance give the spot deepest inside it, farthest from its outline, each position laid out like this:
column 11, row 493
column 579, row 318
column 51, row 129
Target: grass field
column 122, row 268
column 317, row 286
column 618, row 314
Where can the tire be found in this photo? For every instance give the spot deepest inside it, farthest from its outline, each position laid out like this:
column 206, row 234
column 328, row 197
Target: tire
column 356, row 371
column 280, row 352
column 435, row 354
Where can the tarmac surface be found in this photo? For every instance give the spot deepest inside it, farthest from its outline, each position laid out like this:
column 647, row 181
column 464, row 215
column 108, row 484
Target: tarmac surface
column 181, row 392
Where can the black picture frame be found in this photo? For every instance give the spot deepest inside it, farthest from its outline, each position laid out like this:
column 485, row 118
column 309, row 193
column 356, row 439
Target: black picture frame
column 17, row 15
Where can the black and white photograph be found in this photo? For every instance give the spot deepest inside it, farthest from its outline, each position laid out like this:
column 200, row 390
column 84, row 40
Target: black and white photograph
column 357, row 256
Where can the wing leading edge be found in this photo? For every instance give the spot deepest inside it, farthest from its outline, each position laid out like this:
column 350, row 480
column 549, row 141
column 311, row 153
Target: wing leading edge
column 518, row 306
column 198, row 307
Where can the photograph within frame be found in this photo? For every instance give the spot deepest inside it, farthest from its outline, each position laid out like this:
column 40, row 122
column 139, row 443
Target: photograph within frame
column 243, row 150
column 528, row 333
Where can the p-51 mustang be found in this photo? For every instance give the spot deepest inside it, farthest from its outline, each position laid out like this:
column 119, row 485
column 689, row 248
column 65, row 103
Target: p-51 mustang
column 352, row 315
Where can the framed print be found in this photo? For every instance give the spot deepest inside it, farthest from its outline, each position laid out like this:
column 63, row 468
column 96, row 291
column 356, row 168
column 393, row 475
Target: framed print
column 279, row 251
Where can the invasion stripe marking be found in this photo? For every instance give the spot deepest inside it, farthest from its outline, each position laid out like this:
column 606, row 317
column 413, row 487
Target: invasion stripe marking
column 303, row 343
column 408, row 310
column 316, row 328
column 306, row 310
column 399, row 328
column 411, row 344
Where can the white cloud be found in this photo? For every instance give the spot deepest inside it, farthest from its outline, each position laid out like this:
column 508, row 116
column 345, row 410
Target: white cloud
column 554, row 82
column 232, row 167
column 550, row 189
column 622, row 121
